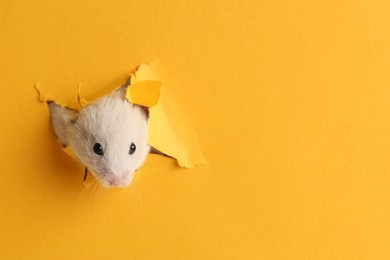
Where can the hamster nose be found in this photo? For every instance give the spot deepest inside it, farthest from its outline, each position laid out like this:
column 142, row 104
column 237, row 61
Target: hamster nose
column 114, row 181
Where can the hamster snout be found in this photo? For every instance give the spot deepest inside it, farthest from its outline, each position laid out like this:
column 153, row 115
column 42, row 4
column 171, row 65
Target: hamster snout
column 115, row 180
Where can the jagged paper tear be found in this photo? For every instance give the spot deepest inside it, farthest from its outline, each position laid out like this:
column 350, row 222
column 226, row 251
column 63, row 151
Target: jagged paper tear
column 169, row 129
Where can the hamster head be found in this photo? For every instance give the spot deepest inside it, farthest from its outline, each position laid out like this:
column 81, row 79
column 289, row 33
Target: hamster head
column 109, row 136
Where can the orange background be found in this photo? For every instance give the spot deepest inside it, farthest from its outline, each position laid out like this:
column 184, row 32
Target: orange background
column 290, row 100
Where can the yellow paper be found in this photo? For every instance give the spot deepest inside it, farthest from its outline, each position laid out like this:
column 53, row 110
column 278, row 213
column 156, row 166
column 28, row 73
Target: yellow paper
column 144, row 93
column 290, row 100
column 169, row 129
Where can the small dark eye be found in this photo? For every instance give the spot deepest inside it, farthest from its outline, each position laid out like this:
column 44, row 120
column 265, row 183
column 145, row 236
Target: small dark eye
column 98, row 149
column 132, row 148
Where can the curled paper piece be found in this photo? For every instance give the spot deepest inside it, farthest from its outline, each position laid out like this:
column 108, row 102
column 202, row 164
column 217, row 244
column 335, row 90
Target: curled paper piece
column 69, row 151
column 41, row 97
column 170, row 131
column 82, row 101
column 145, row 93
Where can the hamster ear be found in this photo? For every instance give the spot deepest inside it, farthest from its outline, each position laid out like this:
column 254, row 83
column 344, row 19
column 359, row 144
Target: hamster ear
column 123, row 88
column 61, row 118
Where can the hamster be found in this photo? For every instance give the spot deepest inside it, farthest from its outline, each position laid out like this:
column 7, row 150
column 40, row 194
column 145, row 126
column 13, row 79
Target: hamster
column 108, row 136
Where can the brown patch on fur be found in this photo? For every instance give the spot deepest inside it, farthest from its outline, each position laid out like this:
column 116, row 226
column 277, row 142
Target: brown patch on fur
column 74, row 120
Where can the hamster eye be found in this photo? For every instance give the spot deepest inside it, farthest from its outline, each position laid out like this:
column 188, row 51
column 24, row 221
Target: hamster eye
column 98, row 149
column 132, row 148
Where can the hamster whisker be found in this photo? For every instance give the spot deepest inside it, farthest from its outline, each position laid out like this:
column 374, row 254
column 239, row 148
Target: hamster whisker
column 131, row 195
column 144, row 187
column 136, row 188
column 135, row 191
column 97, row 192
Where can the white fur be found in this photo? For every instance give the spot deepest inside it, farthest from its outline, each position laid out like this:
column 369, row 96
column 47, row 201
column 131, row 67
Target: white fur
column 114, row 123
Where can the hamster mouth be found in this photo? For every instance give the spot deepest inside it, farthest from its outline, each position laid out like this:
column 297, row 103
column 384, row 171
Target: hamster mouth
column 114, row 184
column 112, row 181
column 109, row 180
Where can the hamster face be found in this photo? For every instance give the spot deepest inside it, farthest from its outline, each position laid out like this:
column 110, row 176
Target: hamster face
column 109, row 136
